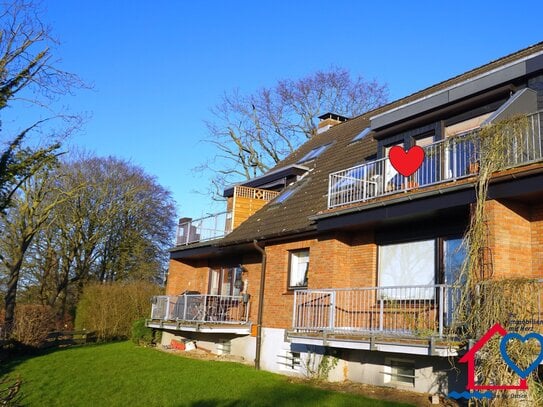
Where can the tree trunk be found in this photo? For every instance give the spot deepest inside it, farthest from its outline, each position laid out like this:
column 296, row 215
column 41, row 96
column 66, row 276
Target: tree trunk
column 11, row 298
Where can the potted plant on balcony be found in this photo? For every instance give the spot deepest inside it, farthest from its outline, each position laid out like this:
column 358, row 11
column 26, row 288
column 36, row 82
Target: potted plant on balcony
column 410, row 184
column 473, row 167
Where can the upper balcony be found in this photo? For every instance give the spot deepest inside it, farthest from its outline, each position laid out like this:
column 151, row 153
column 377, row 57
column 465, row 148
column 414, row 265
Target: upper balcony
column 244, row 202
column 447, row 160
column 210, row 227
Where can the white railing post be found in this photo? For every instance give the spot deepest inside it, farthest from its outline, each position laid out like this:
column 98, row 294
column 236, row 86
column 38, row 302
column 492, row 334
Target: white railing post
column 294, row 310
column 330, row 186
column 381, row 312
column 167, row 313
column 204, row 316
column 441, row 310
column 331, row 317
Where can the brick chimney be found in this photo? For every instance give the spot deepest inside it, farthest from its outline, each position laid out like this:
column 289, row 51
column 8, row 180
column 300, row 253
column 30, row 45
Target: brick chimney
column 328, row 120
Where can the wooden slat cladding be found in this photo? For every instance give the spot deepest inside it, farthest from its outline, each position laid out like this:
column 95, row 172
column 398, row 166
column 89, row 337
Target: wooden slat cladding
column 247, row 201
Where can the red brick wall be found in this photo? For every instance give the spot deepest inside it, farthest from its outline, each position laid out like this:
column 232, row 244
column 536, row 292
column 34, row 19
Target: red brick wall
column 537, row 240
column 278, row 300
column 191, row 276
column 345, row 260
column 335, row 261
column 515, row 238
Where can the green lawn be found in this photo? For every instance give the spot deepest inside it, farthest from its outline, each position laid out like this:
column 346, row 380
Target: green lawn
column 121, row 374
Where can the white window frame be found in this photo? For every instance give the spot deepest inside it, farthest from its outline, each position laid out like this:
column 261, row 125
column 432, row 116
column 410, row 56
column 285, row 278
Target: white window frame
column 298, row 264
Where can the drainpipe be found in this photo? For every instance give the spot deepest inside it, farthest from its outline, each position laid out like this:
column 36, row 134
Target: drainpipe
column 260, row 305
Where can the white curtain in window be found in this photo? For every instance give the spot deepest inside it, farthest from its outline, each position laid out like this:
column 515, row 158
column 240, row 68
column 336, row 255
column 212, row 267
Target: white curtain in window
column 299, row 263
column 407, row 264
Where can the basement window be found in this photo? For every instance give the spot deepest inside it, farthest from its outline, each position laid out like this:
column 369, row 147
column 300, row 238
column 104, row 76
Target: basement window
column 317, row 151
column 290, row 361
column 399, row 371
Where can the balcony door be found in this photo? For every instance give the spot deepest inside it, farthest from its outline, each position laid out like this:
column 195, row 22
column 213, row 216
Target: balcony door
column 428, row 172
column 454, row 255
column 225, row 281
column 461, row 151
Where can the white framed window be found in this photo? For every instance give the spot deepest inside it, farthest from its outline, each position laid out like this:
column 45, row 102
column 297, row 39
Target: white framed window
column 408, row 264
column 298, row 268
column 399, row 371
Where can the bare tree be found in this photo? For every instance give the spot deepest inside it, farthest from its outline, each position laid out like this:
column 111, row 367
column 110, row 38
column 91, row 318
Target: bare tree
column 28, row 74
column 252, row 133
column 117, row 227
column 31, row 211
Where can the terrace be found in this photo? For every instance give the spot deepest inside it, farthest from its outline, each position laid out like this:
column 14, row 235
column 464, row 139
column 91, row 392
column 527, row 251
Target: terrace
column 416, row 319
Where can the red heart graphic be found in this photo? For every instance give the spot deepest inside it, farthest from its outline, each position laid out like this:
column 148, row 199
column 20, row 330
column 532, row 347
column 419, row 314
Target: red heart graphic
column 406, row 162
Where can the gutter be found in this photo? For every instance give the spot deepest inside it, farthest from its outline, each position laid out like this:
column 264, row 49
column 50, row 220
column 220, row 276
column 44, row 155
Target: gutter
column 260, row 304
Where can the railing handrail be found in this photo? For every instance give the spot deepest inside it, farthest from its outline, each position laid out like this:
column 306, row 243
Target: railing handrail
column 209, row 216
column 326, row 290
column 233, row 297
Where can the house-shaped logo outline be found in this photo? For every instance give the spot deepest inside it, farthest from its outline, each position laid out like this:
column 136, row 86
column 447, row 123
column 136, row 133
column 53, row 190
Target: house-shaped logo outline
column 469, row 358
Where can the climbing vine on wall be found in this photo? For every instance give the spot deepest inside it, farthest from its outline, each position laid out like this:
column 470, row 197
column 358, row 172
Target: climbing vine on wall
column 484, row 298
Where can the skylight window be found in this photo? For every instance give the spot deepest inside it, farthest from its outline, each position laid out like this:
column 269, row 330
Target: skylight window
column 314, row 153
column 362, row 134
column 285, row 195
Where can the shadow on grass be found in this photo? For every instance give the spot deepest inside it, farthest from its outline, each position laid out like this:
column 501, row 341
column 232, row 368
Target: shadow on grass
column 291, row 395
column 14, row 354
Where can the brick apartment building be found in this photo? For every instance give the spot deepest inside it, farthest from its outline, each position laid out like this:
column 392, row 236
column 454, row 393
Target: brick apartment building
column 358, row 261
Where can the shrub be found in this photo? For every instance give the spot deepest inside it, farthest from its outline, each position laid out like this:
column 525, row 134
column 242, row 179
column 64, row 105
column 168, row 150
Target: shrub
column 110, row 309
column 142, row 335
column 33, row 322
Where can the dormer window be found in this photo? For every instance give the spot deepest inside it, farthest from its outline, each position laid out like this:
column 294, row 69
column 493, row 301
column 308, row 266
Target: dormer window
column 317, row 151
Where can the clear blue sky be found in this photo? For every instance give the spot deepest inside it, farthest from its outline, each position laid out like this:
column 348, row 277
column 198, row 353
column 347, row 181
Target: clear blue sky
column 158, row 66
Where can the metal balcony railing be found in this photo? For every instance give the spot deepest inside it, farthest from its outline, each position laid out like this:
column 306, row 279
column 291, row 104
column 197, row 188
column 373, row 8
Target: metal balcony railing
column 203, row 229
column 200, row 308
column 415, row 311
column 446, row 160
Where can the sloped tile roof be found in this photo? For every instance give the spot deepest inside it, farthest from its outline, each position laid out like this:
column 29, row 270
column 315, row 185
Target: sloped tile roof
column 292, row 216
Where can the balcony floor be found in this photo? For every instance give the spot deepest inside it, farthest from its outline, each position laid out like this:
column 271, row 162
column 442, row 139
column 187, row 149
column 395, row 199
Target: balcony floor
column 238, row 329
column 381, row 342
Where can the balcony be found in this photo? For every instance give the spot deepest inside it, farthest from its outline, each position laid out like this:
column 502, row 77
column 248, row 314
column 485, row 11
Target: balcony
column 447, row 160
column 203, row 229
column 201, row 313
column 410, row 311
column 415, row 319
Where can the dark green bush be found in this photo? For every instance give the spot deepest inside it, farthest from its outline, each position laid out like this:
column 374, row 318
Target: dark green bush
column 142, row 335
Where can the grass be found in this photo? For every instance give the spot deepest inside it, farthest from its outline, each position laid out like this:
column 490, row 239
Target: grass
column 122, row 374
